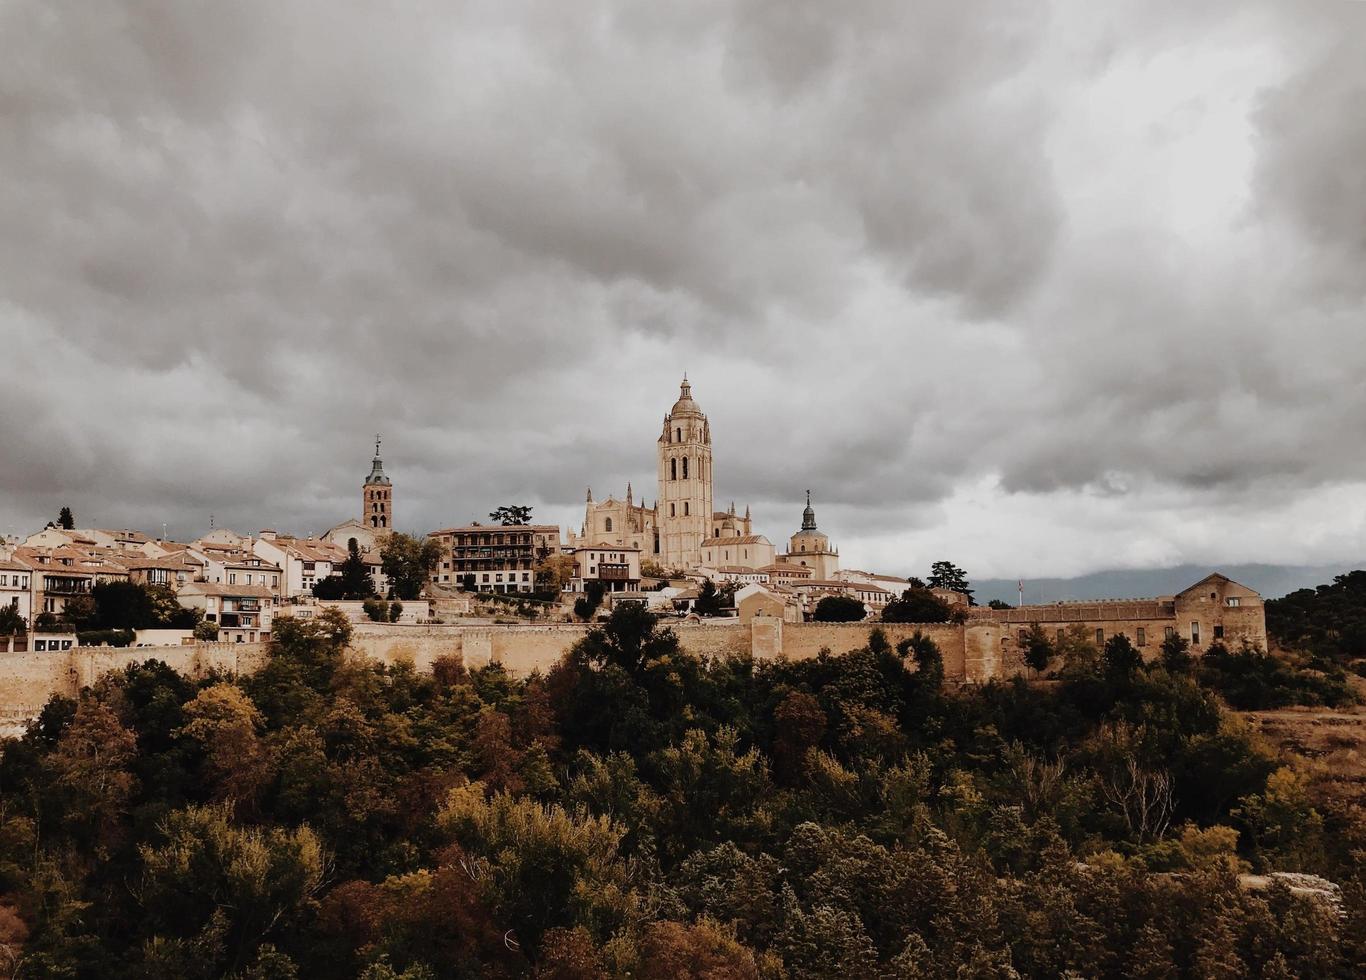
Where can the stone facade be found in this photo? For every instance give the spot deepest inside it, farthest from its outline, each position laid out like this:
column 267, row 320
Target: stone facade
column 1215, row 609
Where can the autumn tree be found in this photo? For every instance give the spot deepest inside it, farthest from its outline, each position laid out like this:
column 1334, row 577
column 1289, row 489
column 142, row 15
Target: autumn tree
column 408, row 562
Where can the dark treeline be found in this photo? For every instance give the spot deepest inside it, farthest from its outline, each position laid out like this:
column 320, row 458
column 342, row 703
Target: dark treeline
column 639, row 812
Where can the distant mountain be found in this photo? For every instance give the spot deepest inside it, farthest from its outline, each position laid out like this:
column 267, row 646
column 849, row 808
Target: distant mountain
column 1272, row 581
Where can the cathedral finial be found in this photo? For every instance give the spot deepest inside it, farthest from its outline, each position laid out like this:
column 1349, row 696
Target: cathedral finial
column 589, row 498
column 376, row 445
column 808, row 515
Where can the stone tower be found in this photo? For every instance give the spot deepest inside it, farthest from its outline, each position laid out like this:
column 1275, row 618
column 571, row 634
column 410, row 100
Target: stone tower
column 685, row 498
column 378, row 492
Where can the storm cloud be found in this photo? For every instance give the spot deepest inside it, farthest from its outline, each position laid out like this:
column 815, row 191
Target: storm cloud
column 1039, row 287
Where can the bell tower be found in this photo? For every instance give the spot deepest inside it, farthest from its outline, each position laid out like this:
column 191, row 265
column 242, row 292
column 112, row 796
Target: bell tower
column 685, row 486
column 378, row 495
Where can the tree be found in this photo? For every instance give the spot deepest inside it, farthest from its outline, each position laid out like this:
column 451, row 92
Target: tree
column 79, row 612
column 998, row 604
column 708, row 602
column 1038, row 651
column 227, row 726
column 1176, row 656
column 947, row 575
column 555, row 571
column 587, row 604
column 352, row 580
column 839, row 609
column 205, row 630
column 11, row 622
column 917, row 605
column 65, row 520
column 408, row 561
column 511, row 515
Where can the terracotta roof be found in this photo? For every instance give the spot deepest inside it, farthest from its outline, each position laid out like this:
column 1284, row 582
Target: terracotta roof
column 740, row 570
column 846, row 586
column 534, row 528
column 218, row 588
column 605, row 547
column 786, row 568
column 741, row 539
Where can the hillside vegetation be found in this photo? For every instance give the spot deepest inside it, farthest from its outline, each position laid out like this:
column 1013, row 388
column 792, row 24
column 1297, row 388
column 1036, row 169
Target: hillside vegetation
column 640, row 812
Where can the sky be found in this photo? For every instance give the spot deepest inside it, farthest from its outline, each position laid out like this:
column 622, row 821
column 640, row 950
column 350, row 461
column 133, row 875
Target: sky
column 1040, row 288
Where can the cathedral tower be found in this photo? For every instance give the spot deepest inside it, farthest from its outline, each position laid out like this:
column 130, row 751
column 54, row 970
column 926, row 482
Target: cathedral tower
column 378, row 493
column 685, row 498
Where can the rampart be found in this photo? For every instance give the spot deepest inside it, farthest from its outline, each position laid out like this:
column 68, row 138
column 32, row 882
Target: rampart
column 973, row 653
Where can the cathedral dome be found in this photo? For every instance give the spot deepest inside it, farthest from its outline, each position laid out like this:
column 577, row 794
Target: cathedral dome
column 685, row 405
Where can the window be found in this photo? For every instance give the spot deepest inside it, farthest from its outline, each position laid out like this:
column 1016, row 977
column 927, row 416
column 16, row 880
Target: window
column 40, row 646
column 1168, row 632
column 685, row 467
column 609, row 524
column 1020, row 637
column 1218, row 632
column 685, row 503
column 1195, row 633
column 1142, row 637
column 678, row 435
column 486, row 576
column 671, row 511
column 1232, row 600
column 673, row 469
column 1100, row 637
column 232, row 578
column 1060, row 634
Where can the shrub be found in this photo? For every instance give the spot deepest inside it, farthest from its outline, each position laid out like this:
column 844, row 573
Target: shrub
column 105, row 638
column 376, row 609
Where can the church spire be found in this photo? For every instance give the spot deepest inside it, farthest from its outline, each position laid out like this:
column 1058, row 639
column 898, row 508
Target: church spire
column 376, row 477
column 808, row 515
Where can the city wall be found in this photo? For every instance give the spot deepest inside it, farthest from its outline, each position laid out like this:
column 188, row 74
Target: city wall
column 972, row 653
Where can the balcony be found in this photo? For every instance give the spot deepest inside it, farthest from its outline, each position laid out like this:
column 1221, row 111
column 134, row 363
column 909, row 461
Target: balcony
column 65, row 586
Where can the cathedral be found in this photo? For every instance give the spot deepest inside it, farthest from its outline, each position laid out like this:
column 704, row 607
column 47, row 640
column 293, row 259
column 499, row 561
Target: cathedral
column 683, row 517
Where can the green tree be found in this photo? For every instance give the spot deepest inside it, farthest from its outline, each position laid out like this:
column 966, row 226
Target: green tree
column 554, row 572
column 205, row 867
column 587, row 604
column 709, row 600
column 947, row 575
column 511, row 515
column 10, row 621
column 839, row 609
column 205, row 630
column 917, row 605
column 1038, row 650
column 352, row 580
column 65, row 520
column 408, row 562
column 1175, row 653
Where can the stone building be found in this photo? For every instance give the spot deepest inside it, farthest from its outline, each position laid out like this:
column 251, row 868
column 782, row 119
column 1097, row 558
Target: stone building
column 502, row 558
column 673, row 530
column 1215, row 609
column 811, row 548
column 377, row 512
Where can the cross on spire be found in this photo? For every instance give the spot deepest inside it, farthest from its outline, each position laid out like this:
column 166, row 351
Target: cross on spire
column 377, row 445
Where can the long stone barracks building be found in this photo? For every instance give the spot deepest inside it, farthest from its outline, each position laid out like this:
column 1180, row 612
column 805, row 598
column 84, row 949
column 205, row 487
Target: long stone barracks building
column 1214, row 610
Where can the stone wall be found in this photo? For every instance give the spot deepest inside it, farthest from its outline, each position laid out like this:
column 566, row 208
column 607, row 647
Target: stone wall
column 972, row 653
column 28, row 680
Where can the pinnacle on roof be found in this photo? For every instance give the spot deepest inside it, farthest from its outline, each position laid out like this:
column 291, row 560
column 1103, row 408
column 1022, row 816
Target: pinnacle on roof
column 377, row 469
column 808, row 515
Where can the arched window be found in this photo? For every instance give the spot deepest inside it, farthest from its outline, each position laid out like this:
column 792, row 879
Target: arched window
column 351, row 544
column 383, row 522
column 685, row 508
column 678, row 435
column 609, row 524
column 671, row 511
column 685, row 467
column 673, row 469
column 374, row 522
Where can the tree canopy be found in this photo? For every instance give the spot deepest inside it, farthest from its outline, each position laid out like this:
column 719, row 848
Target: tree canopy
column 640, row 812
column 947, row 575
column 511, row 515
column 407, row 562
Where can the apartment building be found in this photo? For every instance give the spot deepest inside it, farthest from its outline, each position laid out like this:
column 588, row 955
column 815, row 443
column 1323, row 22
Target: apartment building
column 501, row 558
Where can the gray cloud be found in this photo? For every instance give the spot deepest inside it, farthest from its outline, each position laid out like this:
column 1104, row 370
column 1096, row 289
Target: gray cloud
column 919, row 257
